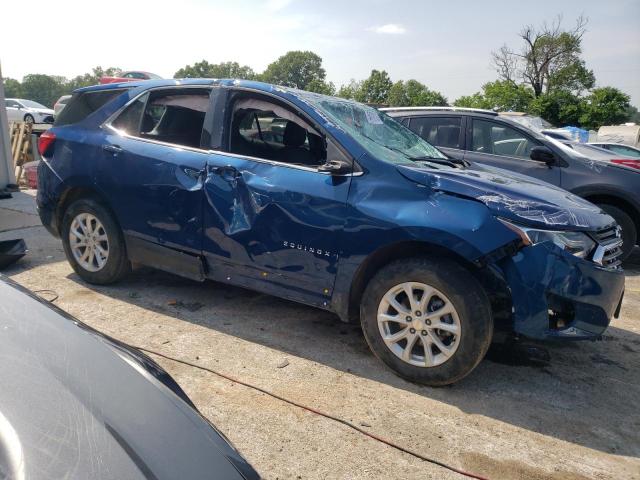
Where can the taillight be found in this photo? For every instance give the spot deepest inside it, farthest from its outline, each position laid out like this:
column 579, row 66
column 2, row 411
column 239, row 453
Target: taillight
column 45, row 143
column 627, row 162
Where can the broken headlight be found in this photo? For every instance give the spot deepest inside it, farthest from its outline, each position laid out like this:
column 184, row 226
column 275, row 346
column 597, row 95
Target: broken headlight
column 576, row 243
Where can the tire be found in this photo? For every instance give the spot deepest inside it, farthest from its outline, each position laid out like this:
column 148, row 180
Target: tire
column 452, row 286
column 28, row 118
column 100, row 269
column 629, row 231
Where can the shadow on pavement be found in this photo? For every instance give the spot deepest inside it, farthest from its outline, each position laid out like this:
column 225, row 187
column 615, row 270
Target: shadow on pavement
column 566, row 396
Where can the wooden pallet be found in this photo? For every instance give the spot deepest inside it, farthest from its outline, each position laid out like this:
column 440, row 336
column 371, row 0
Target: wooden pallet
column 21, row 151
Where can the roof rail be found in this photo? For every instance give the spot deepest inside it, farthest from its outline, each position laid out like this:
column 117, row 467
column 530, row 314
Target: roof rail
column 453, row 109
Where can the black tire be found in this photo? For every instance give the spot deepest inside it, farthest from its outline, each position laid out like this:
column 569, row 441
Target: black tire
column 465, row 294
column 117, row 264
column 28, row 118
column 629, row 232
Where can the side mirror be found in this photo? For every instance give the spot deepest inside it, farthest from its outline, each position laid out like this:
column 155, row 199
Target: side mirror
column 19, row 107
column 543, row 154
column 335, row 167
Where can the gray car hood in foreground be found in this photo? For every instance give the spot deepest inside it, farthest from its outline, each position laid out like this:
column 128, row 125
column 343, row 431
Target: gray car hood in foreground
column 77, row 405
column 509, row 195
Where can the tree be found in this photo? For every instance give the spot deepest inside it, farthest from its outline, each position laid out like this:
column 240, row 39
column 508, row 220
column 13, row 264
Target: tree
column 205, row 69
column 375, row 89
column 414, row 93
column 12, row 88
column 502, row 95
column 92, row 78
column 561, row 108
column 44, row 89
column 296, row 69
column 319, row 86
column 349, row 90
column 549, row 58
column 604, row 106
column 633, row 115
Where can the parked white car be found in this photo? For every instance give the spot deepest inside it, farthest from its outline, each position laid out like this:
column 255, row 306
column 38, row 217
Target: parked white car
column 21, row 110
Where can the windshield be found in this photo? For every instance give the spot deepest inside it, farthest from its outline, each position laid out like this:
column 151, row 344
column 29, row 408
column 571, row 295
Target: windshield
column 31, row 104
column 382, row 136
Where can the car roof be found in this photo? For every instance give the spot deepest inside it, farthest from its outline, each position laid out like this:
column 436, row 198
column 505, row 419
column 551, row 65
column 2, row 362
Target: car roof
column 266, row 87
column 412, row 111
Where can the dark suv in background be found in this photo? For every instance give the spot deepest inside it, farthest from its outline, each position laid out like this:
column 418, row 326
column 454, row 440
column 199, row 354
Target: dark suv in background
column 485, row 137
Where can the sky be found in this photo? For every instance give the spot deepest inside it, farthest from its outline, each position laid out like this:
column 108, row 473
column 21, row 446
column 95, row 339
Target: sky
column 446, row 45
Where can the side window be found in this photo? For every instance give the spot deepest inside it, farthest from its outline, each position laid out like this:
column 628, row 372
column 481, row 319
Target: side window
column 270, row 131
column 10, row 103
column 500, row 139
column 81, row 105
column 173, row 116
column 438, row 131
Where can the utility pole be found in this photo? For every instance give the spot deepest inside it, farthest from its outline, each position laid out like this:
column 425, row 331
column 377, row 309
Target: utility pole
column 7, row 176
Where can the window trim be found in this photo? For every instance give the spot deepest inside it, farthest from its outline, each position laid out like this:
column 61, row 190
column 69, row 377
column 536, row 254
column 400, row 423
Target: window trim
column 107, row 125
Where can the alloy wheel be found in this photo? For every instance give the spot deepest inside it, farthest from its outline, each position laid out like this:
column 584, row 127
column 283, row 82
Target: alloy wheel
column 89, row 242
column 419, row 324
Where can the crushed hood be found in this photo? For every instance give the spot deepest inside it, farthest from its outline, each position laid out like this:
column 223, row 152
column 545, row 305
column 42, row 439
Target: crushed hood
column 512, row 196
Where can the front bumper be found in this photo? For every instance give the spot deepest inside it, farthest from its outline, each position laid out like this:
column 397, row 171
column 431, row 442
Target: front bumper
column 558, row 295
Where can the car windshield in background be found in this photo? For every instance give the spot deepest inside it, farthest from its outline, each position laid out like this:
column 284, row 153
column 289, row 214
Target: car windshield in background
column 32, row 104
column 382, row 136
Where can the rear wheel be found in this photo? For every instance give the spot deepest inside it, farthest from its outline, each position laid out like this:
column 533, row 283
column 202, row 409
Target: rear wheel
column 428, row 320
column 629, row 232
column 93, row 242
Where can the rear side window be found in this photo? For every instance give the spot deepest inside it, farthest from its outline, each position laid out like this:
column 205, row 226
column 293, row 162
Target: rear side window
column 173, row 116
column 500, row 139
column 83, row 104
column 438, row 131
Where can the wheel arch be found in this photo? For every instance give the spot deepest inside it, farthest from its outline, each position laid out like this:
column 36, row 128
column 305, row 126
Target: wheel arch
column 489, row 276
column 71, row 194
column 613, row 198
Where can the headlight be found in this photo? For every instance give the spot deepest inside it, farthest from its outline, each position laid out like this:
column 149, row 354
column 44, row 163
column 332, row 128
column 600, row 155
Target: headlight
column 576, row 243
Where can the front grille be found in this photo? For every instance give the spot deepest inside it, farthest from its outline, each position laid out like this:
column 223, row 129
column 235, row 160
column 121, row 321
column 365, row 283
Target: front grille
column 48, row 119
column 609, row 247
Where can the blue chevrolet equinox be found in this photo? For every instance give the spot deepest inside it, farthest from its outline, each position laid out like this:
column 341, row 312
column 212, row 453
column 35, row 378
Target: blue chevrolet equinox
column 330, row 203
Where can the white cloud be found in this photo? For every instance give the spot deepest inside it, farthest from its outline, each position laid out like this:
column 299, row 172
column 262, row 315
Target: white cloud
column 389, row 28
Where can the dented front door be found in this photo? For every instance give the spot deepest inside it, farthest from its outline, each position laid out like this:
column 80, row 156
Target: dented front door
column 273, row 227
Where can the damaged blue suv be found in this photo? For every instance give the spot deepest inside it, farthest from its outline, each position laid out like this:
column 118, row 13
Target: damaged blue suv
column 330, row 203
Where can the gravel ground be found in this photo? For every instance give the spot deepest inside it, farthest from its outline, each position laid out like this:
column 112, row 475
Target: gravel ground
column 573, row 417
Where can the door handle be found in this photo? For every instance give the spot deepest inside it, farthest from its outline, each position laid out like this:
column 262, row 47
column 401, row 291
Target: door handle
column 114, row 149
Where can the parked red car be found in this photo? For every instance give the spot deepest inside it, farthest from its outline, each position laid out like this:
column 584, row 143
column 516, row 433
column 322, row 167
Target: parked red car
column 131, row 77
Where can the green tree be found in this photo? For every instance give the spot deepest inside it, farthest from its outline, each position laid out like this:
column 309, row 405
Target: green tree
column 91, row 78
column 548, row 59
column 561, row 108
column 296, row 69
column 12, row 88
column 633, row 115
column 375, row 89
column 44, row 89
column 205, row 69
column 604, row 106
column 319, row 86
column 413, row 93
column 502, row 95
column 349, row 90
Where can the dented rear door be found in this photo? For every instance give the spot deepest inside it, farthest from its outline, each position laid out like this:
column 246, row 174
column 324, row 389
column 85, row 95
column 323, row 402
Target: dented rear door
column 273, row 227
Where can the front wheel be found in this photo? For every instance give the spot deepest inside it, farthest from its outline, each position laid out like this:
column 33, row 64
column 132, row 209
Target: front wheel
column 28, row 118
column 428, row 320
column 93, row 242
